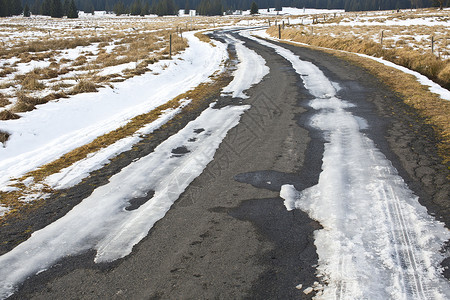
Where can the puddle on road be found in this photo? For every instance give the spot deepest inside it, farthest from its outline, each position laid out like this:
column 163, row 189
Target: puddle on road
column 179, row 151
column 291, row 260
column 269, row 180
column 135, row 203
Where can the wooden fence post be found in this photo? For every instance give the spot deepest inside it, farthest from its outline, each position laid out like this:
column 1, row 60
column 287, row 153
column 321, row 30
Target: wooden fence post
column 382, row 36
column 432, row 44
column 279, row 32
column 170, row 46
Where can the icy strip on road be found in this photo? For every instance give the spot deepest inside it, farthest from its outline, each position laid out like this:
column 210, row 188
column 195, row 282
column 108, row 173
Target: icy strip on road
column 378, row 242
column 250, row 70
column 101, row 221
column 55, row 128
column 75, row 173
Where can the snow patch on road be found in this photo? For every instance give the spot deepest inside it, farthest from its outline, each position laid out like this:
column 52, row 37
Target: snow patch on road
column 102, row 222
column 73, row 174
column 250, row 70
column 378, row 242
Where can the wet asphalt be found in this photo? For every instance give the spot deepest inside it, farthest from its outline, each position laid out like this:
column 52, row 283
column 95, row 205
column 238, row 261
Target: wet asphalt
column 229, row 235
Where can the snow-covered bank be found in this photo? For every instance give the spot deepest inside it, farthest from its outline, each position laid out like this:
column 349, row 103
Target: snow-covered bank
column 73, row 174
column 58, row 127
column 378, row 242
column 433, row 87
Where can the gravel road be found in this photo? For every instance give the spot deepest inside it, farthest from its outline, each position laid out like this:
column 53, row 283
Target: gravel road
column 229, row 235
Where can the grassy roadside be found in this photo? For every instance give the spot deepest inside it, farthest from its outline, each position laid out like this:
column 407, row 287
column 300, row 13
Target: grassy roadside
column 198, row 101
column 427, row 64
column 435, row 110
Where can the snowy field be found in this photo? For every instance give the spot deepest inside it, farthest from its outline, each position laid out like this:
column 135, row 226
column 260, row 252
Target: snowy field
column 409, row 29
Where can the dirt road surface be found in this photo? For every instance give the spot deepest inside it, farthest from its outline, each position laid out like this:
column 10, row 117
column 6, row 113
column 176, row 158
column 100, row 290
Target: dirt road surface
column 229, row 235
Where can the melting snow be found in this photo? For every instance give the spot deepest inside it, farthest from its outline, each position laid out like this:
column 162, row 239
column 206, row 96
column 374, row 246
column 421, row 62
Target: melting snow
column 55, row 128
column 101, row 221
column 251, row 69
column 378, row 242
column 73, row 174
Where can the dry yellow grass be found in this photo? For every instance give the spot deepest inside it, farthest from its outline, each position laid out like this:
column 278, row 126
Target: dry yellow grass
column 30, row 81
column 25, row 102
column 48, row 44
column 3, row 135
column 3, row 100
column 7, row 115
column 444, row 74
column 6, row 71
column 424, row 63
column 84, row 86
column 204, row 38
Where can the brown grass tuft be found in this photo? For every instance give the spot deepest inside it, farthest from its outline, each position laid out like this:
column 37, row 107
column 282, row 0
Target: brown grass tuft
column 80, row 60
column 3, row 100
column 25, row 102
column 6, row 71
column 30, row 81
column 4, row 136
column 84, row 86
column 204, row 38
column 444, row 74
column 7, row 115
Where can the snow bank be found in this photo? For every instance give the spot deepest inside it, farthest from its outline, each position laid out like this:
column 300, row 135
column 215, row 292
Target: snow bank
column 73, row 174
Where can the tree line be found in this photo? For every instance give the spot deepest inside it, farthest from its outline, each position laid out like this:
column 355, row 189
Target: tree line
column 59, row 8
column 52, row 8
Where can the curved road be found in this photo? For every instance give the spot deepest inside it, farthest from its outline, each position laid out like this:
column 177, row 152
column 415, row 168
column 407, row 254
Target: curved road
column 229, row 235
